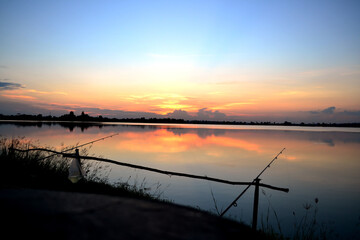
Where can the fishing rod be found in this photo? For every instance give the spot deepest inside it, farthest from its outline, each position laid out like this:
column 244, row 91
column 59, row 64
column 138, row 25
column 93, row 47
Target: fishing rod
column 82, row 145
column 242, row 193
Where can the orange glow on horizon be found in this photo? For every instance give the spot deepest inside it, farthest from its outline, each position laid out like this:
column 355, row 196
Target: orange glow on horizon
column 226, row 90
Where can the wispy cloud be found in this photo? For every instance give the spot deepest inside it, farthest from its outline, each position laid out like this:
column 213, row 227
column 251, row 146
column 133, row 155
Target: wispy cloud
column 45, row 93
column 9, row 85
column 340, row 71
column 23, row 97
column 156, row 96
column 233, row 105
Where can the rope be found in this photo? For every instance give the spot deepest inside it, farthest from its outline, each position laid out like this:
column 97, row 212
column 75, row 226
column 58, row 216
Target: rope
column 169, row 173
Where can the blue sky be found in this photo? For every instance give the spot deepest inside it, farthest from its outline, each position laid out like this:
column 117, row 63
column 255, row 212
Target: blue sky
column 282, row 32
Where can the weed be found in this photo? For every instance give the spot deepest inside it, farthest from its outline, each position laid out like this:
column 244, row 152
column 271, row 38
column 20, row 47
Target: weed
column 305, row 227
column 218, row 211
column 40, row 169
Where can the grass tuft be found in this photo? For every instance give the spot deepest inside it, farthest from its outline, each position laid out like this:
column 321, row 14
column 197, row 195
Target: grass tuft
column 40, row 169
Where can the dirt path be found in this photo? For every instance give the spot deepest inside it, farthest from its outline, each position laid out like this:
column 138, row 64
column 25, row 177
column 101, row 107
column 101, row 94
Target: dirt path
column 63, row 215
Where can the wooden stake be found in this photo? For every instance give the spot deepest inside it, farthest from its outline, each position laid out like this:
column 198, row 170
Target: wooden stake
column 256, row 203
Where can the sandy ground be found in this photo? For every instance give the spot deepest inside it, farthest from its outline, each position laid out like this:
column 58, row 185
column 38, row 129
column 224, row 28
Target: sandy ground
column 42, row 214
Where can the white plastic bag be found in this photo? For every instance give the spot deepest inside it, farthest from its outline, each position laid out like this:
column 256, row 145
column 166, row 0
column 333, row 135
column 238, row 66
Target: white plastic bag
column 75, row 171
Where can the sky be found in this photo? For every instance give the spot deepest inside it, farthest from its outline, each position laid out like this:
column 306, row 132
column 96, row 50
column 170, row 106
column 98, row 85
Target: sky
column 255, row 60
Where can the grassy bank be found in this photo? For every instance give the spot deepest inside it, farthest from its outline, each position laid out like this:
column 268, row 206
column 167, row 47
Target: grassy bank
column 43, row 170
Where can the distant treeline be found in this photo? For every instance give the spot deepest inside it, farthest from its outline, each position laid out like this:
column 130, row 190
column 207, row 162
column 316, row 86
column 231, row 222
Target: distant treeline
column 71, row 117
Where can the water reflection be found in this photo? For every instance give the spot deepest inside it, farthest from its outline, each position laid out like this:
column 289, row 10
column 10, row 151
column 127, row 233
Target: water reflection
column 322, row 164
column 321, row 136
column 68, row 125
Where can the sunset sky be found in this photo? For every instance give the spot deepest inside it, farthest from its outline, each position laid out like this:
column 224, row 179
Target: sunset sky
column 224, row 60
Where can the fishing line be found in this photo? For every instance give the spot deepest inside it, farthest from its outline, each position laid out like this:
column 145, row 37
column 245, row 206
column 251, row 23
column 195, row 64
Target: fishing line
column 82, row 145
column 242, row 193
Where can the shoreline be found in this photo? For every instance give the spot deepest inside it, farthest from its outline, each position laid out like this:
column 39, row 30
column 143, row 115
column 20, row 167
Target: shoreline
column 84, row 118
column 86, row 124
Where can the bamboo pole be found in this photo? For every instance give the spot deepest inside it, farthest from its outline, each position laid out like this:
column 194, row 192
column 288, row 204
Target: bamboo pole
column 256, row 203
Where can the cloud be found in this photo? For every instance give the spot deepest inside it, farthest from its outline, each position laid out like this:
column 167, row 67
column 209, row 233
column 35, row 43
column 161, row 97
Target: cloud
column 117, row 113
column 22, row 97
column 352, row 113
column 12, row 108
column 23, row 104
column 179, row 114
column 45, row 93
column 209, row 114
column 332, row 114
column 329, row 110
column 9, row 85
column 202, row 114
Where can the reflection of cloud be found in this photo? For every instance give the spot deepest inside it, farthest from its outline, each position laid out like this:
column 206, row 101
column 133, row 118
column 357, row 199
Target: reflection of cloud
column 324, row 140
column 291, row 158
column 236, row 143
column 214, row 153
column 9, row 86
column 201, row 132
column 164, row 141
column 329, row 142
column 159, row 141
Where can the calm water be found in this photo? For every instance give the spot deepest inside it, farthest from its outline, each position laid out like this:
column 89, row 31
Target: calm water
column 321, row 163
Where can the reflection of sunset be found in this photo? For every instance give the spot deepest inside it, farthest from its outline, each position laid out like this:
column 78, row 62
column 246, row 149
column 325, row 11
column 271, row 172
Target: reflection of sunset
column 236, row 143
column 167, row 142
column 291, row 158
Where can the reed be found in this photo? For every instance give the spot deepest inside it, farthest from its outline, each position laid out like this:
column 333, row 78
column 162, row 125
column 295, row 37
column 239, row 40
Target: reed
column 305, row 227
